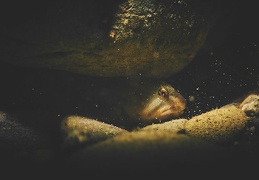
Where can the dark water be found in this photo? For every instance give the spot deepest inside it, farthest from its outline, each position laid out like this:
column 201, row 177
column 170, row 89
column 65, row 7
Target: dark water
column 224, row 69
column 221, row 73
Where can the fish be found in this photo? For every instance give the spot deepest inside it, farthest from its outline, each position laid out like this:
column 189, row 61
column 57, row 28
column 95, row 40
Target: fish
column 48, row 95
column 135, row 102
column 155, row 102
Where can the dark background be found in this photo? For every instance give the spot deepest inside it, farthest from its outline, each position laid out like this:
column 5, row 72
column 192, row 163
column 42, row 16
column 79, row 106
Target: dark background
column 225, row 68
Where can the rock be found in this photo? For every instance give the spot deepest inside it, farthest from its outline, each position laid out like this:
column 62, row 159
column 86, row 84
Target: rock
column 145, row 152
column 175, row 126
column 78, row 131
column 251, row 105
column 19, row 142
column 109, row 38
column 219, row 125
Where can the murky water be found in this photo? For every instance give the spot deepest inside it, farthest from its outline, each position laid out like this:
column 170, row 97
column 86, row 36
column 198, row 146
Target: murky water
column 225, row 68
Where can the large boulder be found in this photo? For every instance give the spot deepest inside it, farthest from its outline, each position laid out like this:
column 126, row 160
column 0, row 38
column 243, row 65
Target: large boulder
column 103, row 38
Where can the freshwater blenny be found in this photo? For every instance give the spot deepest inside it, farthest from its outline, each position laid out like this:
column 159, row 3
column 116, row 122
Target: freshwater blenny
column 158, row 102
column 141, row 102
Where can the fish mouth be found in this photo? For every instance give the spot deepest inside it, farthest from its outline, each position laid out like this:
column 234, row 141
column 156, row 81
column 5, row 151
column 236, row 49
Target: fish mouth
column 167, row 112
column 159, row 110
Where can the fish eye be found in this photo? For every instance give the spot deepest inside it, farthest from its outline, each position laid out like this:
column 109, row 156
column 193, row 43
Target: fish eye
column 163, row 92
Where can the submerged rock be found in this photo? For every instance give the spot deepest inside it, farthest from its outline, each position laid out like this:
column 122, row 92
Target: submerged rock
column 78, row 131
column 108, row 38
column 219, row 125
column 251, row 105
column 20, row 142
column 145, row 152
column 174, row 126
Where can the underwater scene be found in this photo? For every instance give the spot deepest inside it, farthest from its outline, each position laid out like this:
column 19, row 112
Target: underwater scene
column 144, row 87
